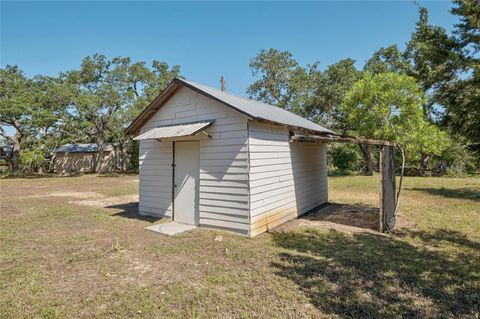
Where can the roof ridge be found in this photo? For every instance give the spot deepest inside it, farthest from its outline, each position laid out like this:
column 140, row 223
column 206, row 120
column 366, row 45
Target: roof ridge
column 236, row 95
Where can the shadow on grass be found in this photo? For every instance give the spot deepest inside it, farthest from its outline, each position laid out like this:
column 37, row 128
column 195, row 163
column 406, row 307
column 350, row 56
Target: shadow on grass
column 117, row 174
column 130, row 210
column 368, row 276
column 439, row 237
column 461, row 193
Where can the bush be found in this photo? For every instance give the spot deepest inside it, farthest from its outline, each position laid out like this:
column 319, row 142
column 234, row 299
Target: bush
column 346, row 158
column 457, row 160
column 31, row 160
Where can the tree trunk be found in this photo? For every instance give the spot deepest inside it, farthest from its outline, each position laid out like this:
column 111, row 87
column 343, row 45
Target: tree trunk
column 120, row 156
column 367, row 155
column 16, row 152
column 424, row 164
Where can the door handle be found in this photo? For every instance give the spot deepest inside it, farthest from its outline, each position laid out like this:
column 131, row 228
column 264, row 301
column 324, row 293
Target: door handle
column 175, row 185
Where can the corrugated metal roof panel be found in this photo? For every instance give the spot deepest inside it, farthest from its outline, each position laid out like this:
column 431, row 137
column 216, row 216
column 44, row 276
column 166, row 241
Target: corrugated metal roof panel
column 178, row 130
column 258, row 110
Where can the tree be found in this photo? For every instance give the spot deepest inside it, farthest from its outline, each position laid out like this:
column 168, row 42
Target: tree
column 32, row 108
column 461, row 96
column 468, row 30
column 434, row 57
column 108, row 94
column 462, row 99
column 426, row 141
column 306, row 91
column 16, row 110
column 389, row 59
column 387, row 106
column 52, row 97
column 283, row 82
column 330, row 89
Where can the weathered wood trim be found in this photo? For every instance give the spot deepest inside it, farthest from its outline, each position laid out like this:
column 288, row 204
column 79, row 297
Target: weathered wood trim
column 337, row 139
column 382, row 181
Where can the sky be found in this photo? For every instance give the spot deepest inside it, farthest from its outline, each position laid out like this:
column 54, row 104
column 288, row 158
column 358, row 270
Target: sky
column 207, row 39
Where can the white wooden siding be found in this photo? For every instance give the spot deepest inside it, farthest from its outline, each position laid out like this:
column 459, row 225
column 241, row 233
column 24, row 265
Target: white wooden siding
column 286, row 179
column 223, row 184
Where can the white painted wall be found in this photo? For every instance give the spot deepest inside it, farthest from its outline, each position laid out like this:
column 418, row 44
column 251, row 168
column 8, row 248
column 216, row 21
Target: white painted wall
column 223, row 178
column 286, row 179
column 251, row 177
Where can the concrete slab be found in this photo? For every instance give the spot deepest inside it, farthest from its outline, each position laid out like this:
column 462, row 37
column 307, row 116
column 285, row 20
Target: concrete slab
column 170, row 228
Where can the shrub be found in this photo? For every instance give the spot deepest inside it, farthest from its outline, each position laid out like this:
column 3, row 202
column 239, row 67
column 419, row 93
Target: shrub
column 346, row 158
column 30, row 160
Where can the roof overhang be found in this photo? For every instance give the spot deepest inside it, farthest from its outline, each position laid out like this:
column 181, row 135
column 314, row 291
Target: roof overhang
column 175, row 131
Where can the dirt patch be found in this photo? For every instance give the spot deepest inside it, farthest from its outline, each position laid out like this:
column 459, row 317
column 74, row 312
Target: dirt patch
column 92, row 199
column 340, row 217
column 103, row 201
column 79, row 195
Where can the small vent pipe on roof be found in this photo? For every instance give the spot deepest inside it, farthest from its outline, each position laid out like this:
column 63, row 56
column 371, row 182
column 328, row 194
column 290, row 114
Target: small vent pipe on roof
column 222, row 83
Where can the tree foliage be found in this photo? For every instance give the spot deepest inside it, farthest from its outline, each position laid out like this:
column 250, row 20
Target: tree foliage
column 432, row 53
column 91, row 104
column 31, row 107
column 425, row 97
column 461, row 96
column 306, row 91
column 108, row 94
column 388, row 106
column 283, row 82
column 384, row 106
column 389, row 59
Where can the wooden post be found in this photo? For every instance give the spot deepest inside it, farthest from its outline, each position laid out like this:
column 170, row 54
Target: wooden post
column 382, row 181
column 388, row 196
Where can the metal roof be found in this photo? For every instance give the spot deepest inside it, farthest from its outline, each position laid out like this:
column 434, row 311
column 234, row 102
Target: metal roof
column 81, row 148
column 259, row 110
column 178, row 130
column 252, row 109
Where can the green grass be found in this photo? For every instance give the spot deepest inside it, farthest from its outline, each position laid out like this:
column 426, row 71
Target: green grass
column 59, row 259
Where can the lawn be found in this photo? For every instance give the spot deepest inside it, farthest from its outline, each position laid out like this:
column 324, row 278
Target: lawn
column 74, row 247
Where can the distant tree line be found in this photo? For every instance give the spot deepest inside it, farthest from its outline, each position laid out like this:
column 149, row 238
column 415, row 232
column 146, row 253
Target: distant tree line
column 426, row 98
column 90, row 105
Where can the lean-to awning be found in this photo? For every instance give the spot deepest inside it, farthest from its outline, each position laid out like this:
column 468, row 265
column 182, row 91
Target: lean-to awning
column 177, row 130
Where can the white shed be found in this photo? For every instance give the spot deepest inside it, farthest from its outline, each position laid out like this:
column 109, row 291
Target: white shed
column 218, row 160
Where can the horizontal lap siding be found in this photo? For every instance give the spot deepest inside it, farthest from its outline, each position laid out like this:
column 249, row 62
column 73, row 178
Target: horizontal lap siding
column 286, row 179
column 155, row 178
column 223, row 184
